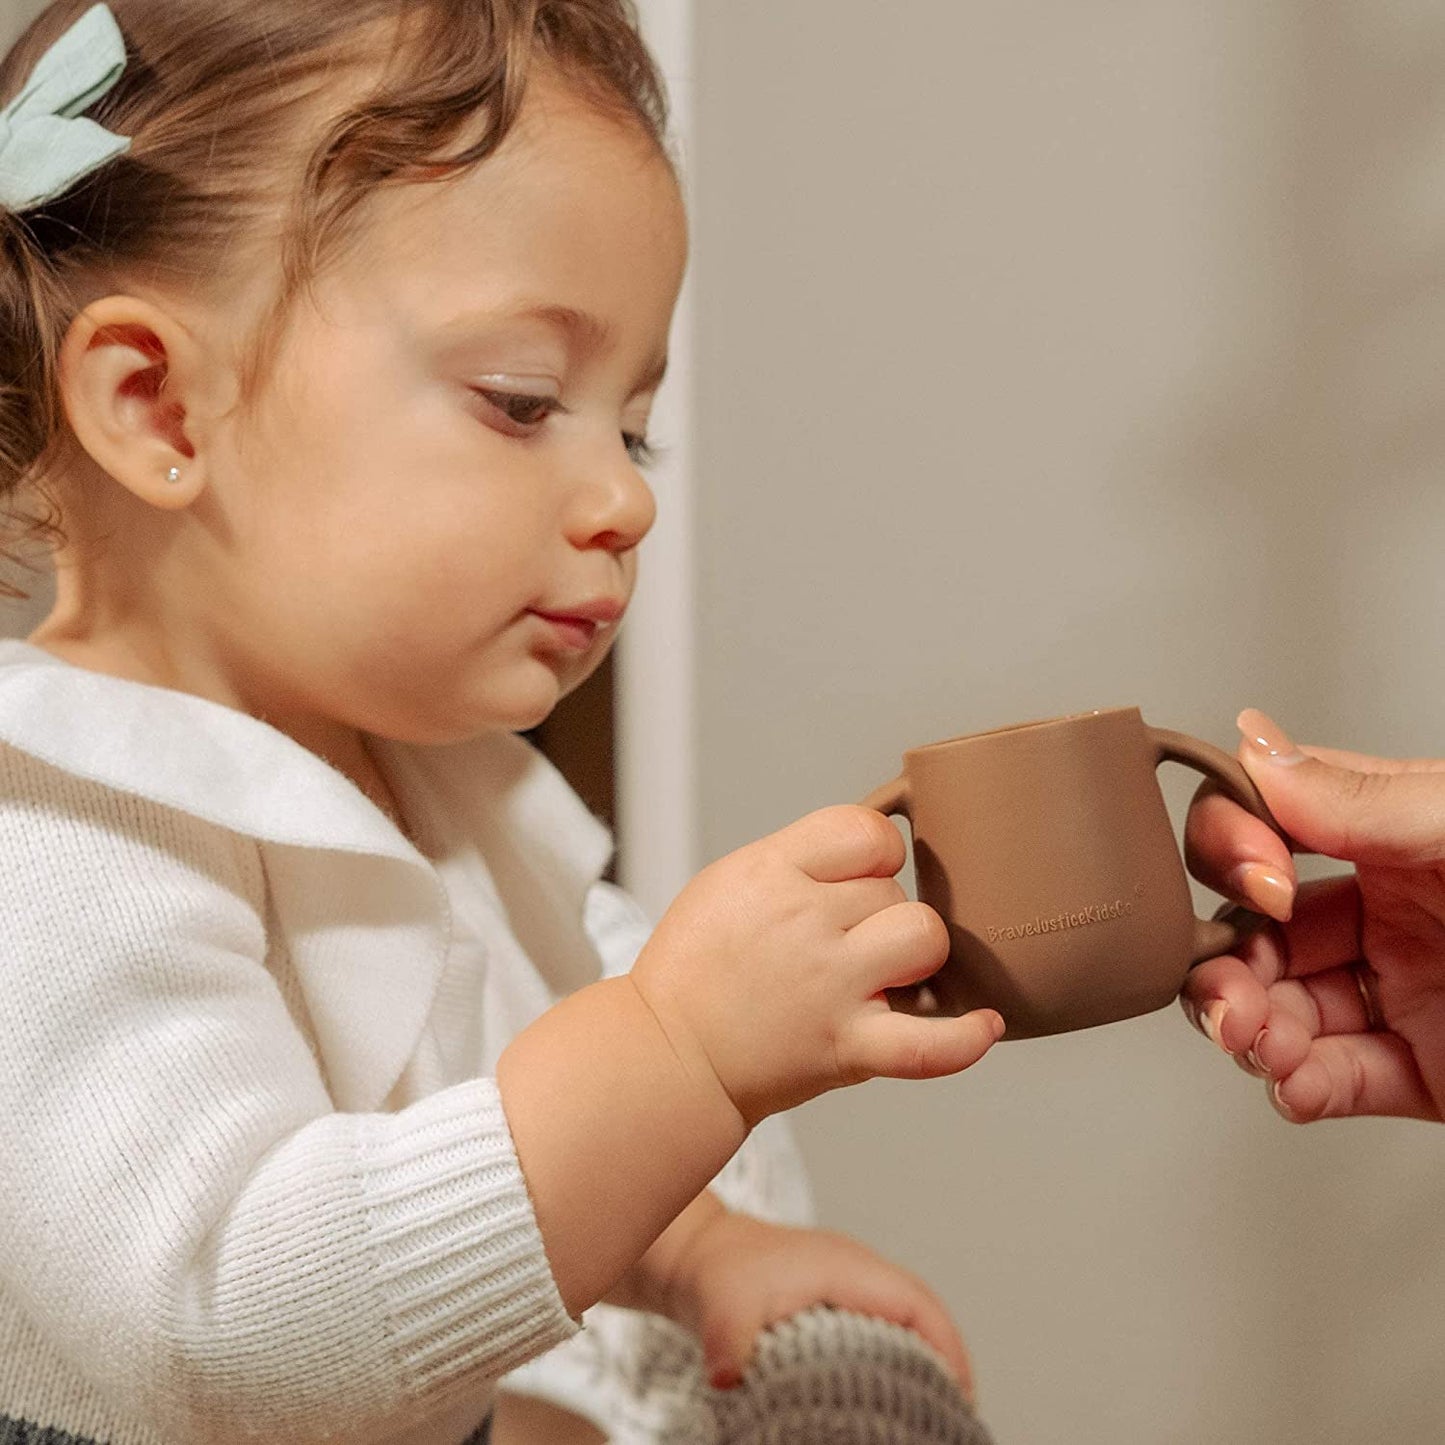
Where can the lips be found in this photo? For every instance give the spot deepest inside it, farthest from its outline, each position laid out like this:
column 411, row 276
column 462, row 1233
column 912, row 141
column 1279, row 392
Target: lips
column 600, row 610
column 571, row 634
column 575, row 628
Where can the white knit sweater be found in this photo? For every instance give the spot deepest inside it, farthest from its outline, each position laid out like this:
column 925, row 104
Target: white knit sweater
column 258, row 1183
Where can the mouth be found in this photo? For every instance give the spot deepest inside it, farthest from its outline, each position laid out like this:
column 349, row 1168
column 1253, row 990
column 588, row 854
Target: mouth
column 576, row 629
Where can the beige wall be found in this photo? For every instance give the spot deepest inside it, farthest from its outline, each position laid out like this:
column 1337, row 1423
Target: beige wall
column 1056, row 357
column 14, row 15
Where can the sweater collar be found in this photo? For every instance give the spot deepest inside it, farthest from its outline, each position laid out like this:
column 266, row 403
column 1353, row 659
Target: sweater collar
column 239, row 772
column 542, row 846
column 185, row 752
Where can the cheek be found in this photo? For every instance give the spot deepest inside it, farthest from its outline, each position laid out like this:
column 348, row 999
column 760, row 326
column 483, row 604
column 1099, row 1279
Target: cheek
column 413, row 521
column 354, row 417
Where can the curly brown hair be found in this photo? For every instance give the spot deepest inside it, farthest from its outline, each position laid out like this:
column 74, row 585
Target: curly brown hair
column 259, row 129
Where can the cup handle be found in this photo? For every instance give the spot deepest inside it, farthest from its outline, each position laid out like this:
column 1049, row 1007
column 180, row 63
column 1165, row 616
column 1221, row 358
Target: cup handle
column 892, row 798
column 1215, row 936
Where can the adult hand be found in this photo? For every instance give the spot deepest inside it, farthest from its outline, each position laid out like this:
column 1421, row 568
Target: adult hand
column 1341, row 1005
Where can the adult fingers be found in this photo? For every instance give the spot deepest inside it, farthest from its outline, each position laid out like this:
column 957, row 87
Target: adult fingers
column 1353, row 1074
column 1302, row 1011
column 1368, row 763
column 1323, row 933
column 1332, row 1002
column 1281, row 1046
column 1286, row 985
column 1231, row 851
column 1392, row 818
column 1325, row 930
column 1227, row 1002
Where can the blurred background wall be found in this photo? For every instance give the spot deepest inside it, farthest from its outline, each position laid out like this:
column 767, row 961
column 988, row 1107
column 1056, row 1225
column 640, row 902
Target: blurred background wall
column 1053, row 357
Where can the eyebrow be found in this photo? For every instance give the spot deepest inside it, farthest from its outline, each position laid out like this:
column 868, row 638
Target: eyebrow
column 590, row 334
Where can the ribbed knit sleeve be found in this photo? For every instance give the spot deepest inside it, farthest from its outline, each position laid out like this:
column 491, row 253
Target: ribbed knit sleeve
column 185, row 1215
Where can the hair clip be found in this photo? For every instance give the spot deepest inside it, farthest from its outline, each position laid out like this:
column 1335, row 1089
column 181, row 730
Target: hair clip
column 46, row 145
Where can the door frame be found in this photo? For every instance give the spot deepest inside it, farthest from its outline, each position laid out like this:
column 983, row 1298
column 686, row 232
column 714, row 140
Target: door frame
column 657, row 802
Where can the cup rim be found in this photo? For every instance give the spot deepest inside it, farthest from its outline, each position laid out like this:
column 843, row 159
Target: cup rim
column 1033, row 726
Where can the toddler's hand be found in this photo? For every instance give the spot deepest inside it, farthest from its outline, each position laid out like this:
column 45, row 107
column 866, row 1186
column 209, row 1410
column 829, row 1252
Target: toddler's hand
column 771, row 966
column 738, row 1275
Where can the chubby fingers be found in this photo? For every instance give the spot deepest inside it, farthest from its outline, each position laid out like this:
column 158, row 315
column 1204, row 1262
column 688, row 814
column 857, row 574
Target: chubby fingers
column 921, row 1311
column 729, row 1335
column 881, row 1044
column 858, row 899
column 845, row 841
column 902, row 945
column 932, row 1323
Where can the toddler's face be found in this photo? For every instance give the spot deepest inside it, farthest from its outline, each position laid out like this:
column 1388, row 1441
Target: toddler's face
column 431, row 522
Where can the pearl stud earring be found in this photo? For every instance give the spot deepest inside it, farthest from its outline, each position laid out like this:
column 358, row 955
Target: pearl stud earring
column 174, row 475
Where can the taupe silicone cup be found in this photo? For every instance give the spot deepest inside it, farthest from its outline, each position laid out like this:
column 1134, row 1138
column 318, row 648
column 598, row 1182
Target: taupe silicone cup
column 1048, row 850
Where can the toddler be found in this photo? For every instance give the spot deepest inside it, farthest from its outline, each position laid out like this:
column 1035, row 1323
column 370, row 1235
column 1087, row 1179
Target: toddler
column 334, row 1085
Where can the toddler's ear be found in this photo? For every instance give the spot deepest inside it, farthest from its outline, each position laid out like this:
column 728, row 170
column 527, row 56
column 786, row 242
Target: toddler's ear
column 128, row 371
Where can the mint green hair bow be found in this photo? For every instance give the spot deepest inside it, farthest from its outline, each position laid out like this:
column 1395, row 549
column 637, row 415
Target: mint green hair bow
column 46, row 145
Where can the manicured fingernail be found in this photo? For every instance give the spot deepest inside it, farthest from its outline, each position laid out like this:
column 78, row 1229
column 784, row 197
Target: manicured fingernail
column 1267, row 889
column 1267, row 740
column 1279, row 1103
column 1213, row 1020
column 1255, row 1062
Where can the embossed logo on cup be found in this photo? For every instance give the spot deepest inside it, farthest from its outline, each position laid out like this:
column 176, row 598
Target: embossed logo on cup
column 1059, row 922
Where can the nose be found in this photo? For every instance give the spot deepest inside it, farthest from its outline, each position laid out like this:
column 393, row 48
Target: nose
column 614, row 507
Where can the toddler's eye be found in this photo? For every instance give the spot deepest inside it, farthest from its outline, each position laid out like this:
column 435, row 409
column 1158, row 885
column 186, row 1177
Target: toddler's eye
column 642, row 454
column 526, row 413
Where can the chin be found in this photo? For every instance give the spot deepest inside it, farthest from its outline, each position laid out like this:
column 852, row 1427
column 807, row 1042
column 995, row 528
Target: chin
column 576, row 675
column 526, row 699
column 525, row 708
column 525, row 722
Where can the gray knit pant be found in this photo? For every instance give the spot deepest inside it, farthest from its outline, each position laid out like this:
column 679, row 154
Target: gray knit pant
column 22, row 1432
